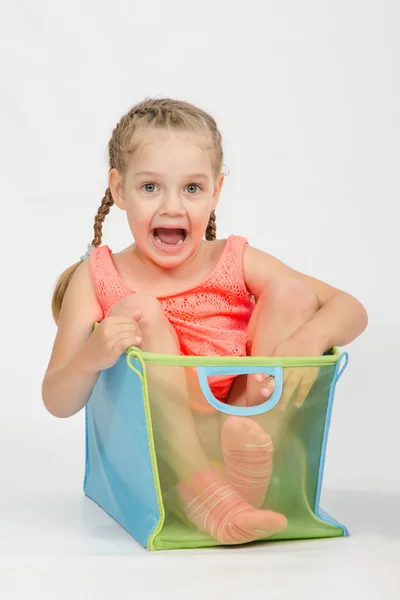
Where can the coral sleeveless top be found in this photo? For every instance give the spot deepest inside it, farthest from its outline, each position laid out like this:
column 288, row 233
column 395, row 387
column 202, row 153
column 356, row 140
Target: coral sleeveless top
column 210, row 319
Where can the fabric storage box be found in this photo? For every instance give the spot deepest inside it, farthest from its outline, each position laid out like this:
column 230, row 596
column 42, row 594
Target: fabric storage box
column 130, row 476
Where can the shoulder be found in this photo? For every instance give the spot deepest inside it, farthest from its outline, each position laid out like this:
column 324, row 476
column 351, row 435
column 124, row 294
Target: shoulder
column 231, row 244
column 80, row 296
column 259, row 267
column 237, row 241
column 98, row 256
column 79, row 311
column 216, row 252
column 254, row 257
column 81, row 276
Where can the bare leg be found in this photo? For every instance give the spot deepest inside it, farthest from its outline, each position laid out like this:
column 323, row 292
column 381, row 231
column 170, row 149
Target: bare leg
column 174, row 426
column 283, row 306
column 208, row 500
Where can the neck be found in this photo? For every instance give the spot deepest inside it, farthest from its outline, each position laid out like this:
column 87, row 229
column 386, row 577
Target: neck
column 151, row 270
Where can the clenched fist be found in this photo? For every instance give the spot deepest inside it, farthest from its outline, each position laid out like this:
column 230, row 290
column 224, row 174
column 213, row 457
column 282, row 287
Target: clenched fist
column 111, row 338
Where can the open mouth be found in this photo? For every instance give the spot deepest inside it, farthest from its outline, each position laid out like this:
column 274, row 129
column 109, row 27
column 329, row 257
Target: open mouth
column 169, row 237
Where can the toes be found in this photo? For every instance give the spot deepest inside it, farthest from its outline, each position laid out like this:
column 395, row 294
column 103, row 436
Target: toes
column 263, row 377
column 266, row 391
column 260, row 377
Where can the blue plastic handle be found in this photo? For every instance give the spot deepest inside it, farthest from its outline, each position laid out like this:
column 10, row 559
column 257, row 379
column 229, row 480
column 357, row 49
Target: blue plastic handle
column 340, row 368
column 244, row 411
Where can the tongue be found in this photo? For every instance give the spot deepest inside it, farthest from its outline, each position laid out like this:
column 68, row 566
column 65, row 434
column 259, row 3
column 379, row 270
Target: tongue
column 169, row 236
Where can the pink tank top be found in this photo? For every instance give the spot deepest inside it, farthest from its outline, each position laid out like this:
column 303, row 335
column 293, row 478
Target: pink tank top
column 210, row 319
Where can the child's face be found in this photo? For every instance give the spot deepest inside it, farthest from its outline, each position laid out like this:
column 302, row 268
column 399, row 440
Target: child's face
column 168, row 211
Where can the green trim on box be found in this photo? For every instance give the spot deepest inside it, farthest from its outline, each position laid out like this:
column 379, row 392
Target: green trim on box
column 133, row 353
column 234, row 361
column 330, row 358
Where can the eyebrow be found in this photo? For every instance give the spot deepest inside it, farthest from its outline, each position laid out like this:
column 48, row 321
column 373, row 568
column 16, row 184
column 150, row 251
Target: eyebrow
column 153, row 174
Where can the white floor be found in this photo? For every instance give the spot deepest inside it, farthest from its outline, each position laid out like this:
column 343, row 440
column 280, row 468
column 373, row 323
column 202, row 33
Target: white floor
column 64, row 546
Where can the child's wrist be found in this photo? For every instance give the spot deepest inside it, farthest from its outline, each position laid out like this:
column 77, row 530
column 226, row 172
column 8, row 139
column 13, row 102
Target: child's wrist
column 86, row 362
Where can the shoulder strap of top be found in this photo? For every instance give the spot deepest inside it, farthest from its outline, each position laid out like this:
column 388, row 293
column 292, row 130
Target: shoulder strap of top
column 110, row 288
column 236, row 245
column 230, row 267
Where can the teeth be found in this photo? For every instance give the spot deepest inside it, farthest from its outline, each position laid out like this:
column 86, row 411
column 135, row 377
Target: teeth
column 156, row 237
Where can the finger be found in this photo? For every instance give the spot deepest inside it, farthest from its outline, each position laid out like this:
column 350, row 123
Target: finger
column 137, row 315
column 122, row 344
column 118, row 329
column 260, row 377
column 268, row 389
column 300, row 394
column 289, row 387
column 305, row 386
column 133, row 332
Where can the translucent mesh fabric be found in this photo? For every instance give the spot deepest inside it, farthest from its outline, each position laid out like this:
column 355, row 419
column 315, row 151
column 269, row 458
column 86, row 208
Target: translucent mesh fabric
column 298, row 437
column 147, row 451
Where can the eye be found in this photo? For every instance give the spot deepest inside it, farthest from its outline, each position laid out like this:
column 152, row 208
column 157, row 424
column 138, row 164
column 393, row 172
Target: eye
column 193, row 185
column 146, row 185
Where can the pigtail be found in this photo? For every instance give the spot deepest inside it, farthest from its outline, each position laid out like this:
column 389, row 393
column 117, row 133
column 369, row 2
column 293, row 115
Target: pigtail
column 103, row 211
column 66, row 276
column 211, row 231
column 159, row 114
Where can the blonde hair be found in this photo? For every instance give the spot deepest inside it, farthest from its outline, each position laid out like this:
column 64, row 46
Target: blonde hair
column 162, row 113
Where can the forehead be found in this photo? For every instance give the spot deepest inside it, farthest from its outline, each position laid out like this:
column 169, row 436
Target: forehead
column 170, row 149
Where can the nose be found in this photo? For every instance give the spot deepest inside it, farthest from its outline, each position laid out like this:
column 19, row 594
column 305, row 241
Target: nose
column 172, row 205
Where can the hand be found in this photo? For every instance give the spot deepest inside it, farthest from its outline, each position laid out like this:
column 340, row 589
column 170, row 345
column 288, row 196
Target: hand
column 109, row 341
column 126, row 308
column 297, row 381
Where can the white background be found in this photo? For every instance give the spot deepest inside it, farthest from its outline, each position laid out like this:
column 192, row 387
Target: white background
column 306, row 95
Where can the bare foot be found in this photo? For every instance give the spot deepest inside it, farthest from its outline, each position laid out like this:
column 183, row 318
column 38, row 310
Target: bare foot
column 217, row 509
column 248, row 452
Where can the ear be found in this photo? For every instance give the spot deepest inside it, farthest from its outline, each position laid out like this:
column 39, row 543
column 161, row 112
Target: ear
column 217, row 190
column 115, row 183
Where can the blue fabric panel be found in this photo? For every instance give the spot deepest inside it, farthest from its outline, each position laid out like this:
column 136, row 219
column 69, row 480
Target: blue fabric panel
column 119, row 475
column 320, row 512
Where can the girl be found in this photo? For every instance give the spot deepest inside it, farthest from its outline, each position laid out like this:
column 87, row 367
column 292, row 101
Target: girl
column 173, row 292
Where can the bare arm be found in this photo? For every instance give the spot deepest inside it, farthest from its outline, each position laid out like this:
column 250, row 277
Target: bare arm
column 340, row 318
column 71, row 375
column 79, row 353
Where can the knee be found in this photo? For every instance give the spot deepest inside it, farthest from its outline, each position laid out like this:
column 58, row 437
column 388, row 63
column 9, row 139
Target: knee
column 290, row 296
column 150, row 307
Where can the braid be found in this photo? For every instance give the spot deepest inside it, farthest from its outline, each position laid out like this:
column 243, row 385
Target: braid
column 164, row 113
column 103, row 211
column 211, row 231
column 66, row 276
